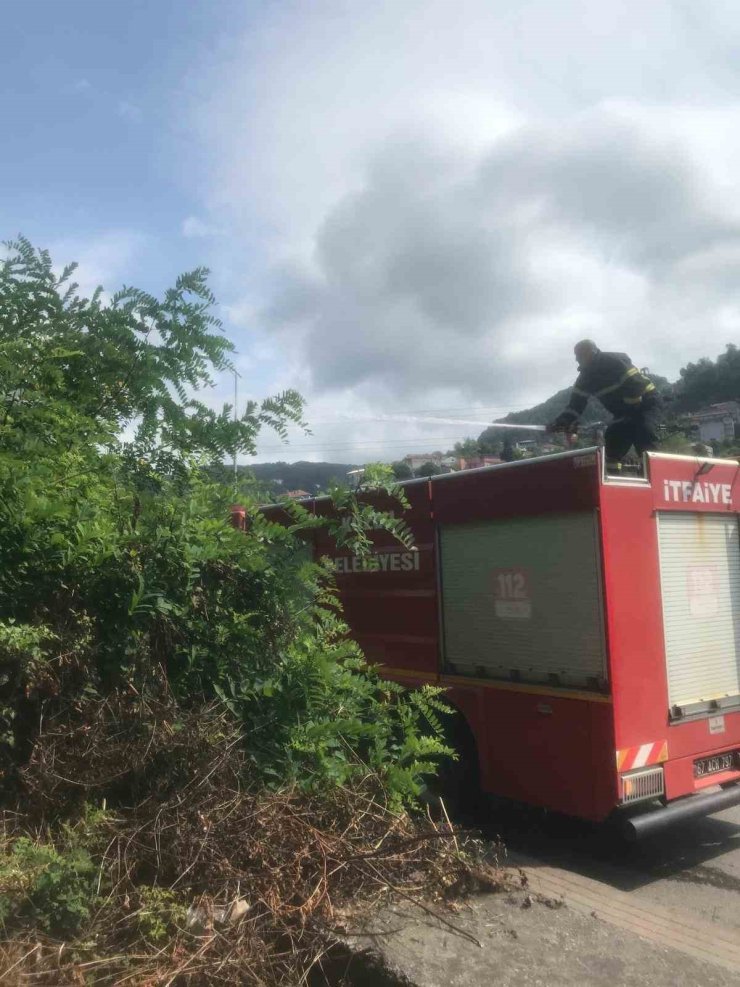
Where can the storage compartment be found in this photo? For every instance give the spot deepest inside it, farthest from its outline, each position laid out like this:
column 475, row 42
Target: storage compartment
column 700, row 583
column 522, row 600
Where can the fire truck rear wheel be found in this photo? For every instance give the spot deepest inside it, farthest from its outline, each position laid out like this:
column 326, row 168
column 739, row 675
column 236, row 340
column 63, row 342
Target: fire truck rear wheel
column 458, row 781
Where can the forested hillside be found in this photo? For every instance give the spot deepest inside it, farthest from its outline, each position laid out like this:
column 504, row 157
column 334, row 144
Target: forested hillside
column 310, row 477
column 269, row 481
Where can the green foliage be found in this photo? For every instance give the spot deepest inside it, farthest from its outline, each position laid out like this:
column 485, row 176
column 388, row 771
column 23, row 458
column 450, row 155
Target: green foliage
column 357, row 514
column 52, row 889
column 80, row 369
column 163, row 581
column 120, row 573
column 320, row 715
column 161, row 914
column 21, row 660
column 489, row 442
column 402, row 470
column 429, row 469
column 467, row 449
column 370, row 509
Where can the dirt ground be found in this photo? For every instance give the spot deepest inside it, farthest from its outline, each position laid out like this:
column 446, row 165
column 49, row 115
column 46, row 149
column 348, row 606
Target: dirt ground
column 527, row 939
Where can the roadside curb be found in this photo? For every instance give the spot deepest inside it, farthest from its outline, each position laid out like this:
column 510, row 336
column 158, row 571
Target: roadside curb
column 673, row 929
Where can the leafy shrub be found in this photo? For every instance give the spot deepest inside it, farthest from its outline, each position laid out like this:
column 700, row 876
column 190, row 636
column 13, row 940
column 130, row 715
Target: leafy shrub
column 120, row 574
column 197, row 679
column 184, row 596
column 54, row 890
column 160, row 914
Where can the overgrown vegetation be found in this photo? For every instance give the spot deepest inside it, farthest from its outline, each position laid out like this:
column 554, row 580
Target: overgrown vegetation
column 184, row 723
column 200, row 876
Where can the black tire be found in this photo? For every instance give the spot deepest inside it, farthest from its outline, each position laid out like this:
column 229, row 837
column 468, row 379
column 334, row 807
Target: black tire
column 458, row 781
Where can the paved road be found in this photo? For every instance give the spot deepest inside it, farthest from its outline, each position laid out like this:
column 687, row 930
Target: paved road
column 661, row 913
column 693, row 867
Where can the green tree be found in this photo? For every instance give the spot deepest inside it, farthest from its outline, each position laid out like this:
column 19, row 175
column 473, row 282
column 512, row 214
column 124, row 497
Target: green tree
column 402, row 470
column 120, row 573
column 469, row 448
column 509, row 452
column 489, row 442
column 75, row 368
column 429, row 469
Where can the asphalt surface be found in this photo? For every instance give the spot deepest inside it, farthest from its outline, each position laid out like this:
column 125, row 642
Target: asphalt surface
column 585, row 909
column 693, row 867
column 517, row 940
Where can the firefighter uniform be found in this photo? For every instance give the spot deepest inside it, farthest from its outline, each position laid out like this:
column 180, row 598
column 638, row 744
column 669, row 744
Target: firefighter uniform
column 628, row 394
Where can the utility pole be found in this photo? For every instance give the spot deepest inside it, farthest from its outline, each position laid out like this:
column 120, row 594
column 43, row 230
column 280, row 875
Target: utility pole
column 236, row 375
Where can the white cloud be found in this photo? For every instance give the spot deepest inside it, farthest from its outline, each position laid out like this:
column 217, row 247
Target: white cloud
column 129, row 111
column 443, row 195
column 80, row 86
column 103, row 260
column 194, row 228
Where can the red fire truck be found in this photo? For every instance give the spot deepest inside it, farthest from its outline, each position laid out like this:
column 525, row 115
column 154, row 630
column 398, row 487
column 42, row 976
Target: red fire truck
column 585, row 626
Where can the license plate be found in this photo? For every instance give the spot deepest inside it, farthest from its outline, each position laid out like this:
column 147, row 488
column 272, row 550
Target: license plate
column 720, row 762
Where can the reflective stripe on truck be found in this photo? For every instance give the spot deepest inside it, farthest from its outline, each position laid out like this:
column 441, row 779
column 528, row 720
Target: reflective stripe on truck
column 642, row 756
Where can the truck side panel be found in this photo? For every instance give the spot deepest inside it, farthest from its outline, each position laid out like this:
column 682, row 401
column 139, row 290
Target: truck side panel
column 390, row 601
column 633, row 607
column 541, row 748
column 544, row 744
column 529, row 487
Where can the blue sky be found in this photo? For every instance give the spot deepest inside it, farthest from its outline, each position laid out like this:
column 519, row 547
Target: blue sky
column 95, row 141
column 408, row 207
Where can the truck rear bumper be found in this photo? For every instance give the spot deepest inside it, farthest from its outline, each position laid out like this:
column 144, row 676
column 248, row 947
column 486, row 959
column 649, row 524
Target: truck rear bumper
column 655, row 821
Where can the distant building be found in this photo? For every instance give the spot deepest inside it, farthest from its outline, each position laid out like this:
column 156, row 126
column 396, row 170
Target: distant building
column 475, row 462
column 297, row 494
column 718, row 422
column 417, row 459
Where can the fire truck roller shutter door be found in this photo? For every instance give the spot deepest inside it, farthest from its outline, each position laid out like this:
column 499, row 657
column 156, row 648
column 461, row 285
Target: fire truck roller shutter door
column 700, row 582
column 522, row 600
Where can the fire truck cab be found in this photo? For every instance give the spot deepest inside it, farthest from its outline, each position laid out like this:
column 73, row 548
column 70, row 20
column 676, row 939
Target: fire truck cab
column 587, row 627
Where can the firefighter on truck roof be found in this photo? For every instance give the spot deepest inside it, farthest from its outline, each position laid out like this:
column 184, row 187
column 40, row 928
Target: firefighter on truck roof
column 627, row 393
